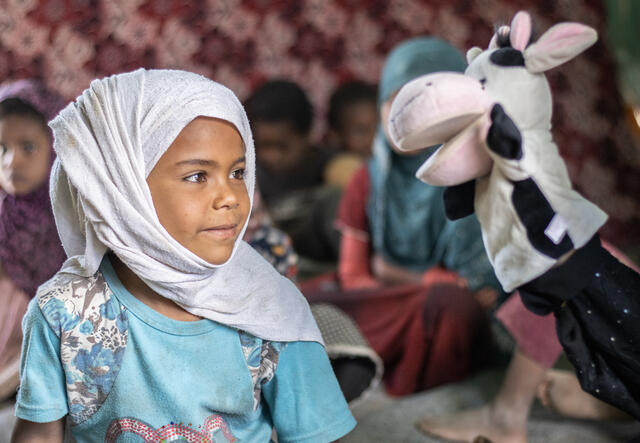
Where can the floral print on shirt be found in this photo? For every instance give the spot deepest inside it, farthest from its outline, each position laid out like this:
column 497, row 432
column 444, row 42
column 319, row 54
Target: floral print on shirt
column 92, row 328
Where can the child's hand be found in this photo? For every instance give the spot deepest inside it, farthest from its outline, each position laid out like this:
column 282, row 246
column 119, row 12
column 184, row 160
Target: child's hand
column 440, row 275
column 30, row 432
column 362, row 282
column 486, row 298
column 390, row 274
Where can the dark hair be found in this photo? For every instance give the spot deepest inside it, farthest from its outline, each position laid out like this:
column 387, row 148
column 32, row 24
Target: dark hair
column 19, row 107
column 348, row 93
column 281, row 101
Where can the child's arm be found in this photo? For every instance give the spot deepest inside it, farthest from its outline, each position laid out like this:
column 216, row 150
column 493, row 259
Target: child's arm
column 30, row 432
column 354, row 262
column 354, row 265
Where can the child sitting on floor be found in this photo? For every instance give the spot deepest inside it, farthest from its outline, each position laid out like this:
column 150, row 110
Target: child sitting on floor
column 353, row 120
column 291, row 171
column 30, row 251
column 162, row 323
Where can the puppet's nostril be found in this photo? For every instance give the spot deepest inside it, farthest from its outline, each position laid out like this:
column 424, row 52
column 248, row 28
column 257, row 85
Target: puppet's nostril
column 429, row 83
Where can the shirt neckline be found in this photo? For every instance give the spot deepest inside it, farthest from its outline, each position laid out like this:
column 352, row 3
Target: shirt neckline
column 147, row 314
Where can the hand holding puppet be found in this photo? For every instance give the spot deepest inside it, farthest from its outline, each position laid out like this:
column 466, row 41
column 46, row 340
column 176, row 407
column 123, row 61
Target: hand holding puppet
column 498, row 159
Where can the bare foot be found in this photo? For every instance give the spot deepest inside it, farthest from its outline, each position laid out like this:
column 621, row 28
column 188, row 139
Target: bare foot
column 476, row 425
column 560, row 391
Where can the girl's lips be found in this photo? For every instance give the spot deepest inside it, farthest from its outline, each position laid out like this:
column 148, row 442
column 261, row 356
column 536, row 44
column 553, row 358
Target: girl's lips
column 223, row 232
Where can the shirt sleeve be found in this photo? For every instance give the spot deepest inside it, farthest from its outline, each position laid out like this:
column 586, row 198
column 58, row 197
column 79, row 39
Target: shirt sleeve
column 304, row 397
column 42, row 396
column 352, row 212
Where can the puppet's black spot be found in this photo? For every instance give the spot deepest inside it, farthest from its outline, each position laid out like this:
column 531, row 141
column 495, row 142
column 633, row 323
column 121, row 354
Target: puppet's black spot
column 507, row 57
column 536, row 214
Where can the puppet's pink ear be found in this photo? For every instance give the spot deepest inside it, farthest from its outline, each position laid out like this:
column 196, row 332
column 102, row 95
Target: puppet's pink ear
column 520, row 30
column 559, row 44
column 461, row 159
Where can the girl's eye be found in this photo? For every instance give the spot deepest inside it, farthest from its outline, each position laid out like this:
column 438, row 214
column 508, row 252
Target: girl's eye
column 3, row 149
column 238, row 174
column 28, row 147
column 198, row 177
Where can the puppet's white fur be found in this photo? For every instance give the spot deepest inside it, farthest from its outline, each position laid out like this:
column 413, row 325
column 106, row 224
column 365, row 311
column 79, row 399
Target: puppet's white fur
column 449, row 102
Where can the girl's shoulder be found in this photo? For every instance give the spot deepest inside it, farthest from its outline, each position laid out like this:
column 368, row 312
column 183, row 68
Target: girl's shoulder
column 93, row 330
column 71, row 302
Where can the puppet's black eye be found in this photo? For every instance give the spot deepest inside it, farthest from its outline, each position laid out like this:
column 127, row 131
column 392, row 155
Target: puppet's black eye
column 482, row 82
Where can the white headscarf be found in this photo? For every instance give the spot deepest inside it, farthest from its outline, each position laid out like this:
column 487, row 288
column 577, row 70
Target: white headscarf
column 107, row 142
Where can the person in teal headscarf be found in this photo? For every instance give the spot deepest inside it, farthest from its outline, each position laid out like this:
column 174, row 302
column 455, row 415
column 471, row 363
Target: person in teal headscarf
column 406, row 273
column 407, row 221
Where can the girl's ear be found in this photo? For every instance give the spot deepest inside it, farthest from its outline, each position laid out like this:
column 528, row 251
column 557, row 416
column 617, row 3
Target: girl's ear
column 472, row 54
column 520, row 31
column 558, row 45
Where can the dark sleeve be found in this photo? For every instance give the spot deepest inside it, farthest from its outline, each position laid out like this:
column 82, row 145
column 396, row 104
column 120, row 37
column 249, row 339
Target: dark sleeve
column 596, row 301
column 352, row 212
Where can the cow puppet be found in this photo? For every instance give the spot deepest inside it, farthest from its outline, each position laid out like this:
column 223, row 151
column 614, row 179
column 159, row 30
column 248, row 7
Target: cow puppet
column 498, row 160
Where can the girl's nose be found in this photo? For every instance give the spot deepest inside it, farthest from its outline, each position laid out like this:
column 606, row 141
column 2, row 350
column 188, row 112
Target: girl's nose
column 225, row 196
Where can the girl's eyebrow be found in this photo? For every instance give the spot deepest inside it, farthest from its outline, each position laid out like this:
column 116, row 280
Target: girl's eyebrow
column 202, row 162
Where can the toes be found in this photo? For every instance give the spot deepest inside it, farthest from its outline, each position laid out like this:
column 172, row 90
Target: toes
column 428, row 427
column 546, row 397
column 543, row 393
column 422, row 425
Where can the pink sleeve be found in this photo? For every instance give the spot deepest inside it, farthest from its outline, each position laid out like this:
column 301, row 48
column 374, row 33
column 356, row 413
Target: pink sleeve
column 535, row 335
column 352, row 212
column 354, row 263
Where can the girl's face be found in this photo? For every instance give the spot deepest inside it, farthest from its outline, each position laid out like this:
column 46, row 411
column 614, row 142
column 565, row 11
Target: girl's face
column 25, row 154
column 198, row 188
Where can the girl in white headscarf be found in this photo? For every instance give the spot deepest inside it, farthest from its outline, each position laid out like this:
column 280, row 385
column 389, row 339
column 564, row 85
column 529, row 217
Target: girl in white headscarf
column 162, row 322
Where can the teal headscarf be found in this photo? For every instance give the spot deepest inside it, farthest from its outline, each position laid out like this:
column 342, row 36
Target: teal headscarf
column 406, row 216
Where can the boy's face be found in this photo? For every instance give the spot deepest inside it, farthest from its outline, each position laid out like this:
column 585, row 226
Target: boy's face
column 358, row 127
column 198, row 188
column 279, row 147
column 25, row 154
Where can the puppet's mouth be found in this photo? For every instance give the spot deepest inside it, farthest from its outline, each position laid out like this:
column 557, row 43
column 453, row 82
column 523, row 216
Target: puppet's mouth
column 461, row 158
column 444, row 108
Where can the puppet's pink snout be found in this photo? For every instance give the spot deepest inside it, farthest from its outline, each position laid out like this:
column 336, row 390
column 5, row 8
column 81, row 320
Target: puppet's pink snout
column 434, row 108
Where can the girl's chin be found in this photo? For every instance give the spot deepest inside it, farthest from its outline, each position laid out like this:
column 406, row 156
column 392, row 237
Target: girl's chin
column 215, row 257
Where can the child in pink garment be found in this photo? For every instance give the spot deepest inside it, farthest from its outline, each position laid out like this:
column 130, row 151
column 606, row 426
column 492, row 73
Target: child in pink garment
column 30, row 251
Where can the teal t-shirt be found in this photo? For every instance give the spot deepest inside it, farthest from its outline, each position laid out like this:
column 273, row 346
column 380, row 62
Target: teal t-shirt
column 126, row 373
